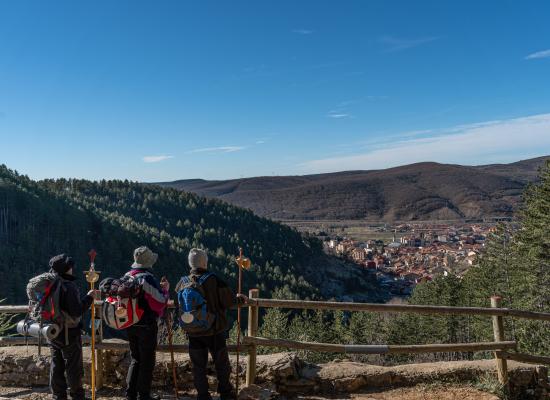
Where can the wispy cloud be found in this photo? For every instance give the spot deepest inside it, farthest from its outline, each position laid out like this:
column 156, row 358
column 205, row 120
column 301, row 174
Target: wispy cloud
column 303, row 31
column 262, row 140
column 539, row 54
column 219, row 149
column 156, row 159
column 480, row 143
column 342, row 109
column 395, row 44
column 338, row 115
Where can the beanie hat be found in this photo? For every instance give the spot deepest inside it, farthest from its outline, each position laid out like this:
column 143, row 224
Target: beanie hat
column 144, row 258
column 198, row 259
column 61, row 263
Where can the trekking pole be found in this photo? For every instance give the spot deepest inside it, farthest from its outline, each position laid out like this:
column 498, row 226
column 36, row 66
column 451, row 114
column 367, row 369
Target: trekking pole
column 242, row 263
column 92, row 276
column 168, row 320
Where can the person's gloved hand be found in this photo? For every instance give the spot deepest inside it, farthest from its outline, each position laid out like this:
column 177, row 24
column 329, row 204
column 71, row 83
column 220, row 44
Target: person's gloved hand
column 164, row 284
column 106, row 286
column 242, row 299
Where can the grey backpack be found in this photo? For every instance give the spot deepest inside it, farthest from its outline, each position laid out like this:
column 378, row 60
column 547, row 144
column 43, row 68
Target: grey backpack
column 44, row 293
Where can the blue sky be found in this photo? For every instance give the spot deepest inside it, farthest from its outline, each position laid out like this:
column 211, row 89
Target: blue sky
column 167, row 90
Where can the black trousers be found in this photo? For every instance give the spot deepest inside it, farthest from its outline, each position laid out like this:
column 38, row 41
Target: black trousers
column 199, row 347
column 66, row 368
column 143, row 346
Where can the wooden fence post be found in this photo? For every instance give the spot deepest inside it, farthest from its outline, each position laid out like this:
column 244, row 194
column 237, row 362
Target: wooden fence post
column 253, row 312
column 498, row 331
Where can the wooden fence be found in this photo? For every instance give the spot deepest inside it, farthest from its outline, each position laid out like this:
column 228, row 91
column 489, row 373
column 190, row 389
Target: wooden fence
column 503, row 350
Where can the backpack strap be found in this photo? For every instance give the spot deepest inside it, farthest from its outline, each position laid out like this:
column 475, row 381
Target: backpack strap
column 186, row 280
column 137, row 273
column 204, row 277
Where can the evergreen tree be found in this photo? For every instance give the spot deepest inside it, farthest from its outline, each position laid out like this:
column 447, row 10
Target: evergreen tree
column 516, row 266
column 494, row 274
column 6, row 322
column 274, row 325
column 531, row 288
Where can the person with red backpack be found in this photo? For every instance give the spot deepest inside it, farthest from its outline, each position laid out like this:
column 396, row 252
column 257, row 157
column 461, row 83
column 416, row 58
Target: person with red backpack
column 152, row 298
column 66, row 368
column 203, row 300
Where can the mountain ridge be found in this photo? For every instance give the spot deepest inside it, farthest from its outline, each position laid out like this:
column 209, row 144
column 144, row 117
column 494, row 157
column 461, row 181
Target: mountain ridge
column 419, row 191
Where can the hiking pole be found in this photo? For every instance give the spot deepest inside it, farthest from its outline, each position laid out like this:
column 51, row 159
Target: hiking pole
column 242, row 263
column 92, row 276
column 168, row 320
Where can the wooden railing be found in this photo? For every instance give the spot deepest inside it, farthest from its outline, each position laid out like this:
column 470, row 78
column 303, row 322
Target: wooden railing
column 503, row 350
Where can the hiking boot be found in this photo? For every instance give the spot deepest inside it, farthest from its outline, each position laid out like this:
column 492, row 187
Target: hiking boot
column 228, row 396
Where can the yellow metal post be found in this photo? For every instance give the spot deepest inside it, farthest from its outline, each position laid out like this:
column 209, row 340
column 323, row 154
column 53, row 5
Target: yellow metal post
column 92, row 276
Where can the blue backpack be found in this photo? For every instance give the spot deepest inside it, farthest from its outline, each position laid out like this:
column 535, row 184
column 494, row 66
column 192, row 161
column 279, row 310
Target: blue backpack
column 195, row 317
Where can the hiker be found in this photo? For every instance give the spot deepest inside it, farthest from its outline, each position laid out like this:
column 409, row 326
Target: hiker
column 203, row 299
column 142, row 335
column 66, row 368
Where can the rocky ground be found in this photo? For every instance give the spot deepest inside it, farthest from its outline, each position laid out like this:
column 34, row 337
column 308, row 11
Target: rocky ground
column 24, row 374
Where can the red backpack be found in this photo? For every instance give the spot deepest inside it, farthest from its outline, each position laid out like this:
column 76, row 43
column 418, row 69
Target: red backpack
column 121, row 309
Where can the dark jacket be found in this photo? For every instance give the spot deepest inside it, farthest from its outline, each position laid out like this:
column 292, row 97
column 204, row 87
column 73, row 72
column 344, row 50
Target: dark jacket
column 219, row 298
column 72, row 303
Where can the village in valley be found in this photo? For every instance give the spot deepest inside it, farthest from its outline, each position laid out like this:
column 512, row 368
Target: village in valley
column 412, row 253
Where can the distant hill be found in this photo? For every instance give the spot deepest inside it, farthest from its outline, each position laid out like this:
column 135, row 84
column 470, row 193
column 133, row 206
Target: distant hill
column 44, row 218
column 423, row 191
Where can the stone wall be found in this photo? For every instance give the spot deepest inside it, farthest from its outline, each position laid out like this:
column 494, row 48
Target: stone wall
column 283, row 373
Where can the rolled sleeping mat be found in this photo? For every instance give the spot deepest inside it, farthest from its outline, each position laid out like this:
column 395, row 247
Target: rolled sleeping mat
column 29, row 328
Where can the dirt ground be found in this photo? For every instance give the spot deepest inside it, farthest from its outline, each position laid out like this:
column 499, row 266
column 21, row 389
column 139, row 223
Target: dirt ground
column 413, row 393
column 426, row 393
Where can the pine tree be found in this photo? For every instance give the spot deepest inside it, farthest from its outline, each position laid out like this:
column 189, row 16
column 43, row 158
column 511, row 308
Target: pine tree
column 494, row 274
column 532, row 245
column 274, row 325
column 516, row 266
column 6, row 322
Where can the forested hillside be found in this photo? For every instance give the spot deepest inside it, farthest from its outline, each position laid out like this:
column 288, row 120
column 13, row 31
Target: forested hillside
column 41, row 219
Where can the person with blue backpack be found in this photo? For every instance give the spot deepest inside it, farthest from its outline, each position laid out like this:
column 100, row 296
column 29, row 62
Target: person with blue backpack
column 203, row 300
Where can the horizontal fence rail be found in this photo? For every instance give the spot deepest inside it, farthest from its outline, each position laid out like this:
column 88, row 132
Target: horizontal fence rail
column 19, row 309
column 380, row 349
column 371, row 307
column 525, row 358
column 108, row 344
column 163, row 348
column 398, row 308
column 31, row 341
column 14, row 309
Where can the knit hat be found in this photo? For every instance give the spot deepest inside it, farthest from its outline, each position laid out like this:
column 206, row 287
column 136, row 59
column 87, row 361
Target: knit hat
column 61, row 263
column 198, row 259
column 144, row 258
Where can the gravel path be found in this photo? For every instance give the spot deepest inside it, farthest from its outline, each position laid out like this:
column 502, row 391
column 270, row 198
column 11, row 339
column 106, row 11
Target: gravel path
column 414, row 393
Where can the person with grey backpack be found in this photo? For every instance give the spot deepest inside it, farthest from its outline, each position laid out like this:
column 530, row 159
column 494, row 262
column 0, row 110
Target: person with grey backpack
column 203, row 301
column 66, row 368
